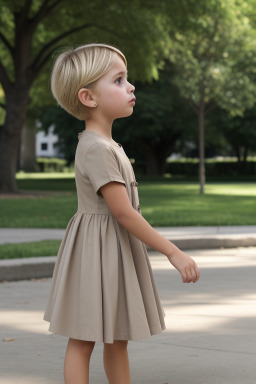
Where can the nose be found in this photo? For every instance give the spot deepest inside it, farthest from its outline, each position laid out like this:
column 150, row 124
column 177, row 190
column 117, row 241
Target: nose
column 132, row 88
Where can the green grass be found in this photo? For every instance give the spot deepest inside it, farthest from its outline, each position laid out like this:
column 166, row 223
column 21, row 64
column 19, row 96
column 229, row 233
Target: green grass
column 166, row 204
column 41, row 212
column 163, row 203
column 22, row 250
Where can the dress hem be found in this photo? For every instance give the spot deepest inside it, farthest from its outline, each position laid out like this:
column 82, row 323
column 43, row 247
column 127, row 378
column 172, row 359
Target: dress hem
column 105, row 338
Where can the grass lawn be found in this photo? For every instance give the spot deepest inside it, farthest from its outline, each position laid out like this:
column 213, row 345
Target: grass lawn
column 163, row 203
column 181, row 205
column 22, row 250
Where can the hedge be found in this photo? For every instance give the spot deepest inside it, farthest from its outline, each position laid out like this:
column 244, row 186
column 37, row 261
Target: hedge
column 218, row 168
column 45, row 164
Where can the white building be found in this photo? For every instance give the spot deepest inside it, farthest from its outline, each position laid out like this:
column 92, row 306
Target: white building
column 45, row 144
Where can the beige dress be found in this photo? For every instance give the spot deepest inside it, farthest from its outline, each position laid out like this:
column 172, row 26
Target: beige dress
column 103, row 287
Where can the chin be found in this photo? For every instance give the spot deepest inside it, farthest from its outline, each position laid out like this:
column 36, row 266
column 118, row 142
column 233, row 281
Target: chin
column 128, row 113
column 122, row 114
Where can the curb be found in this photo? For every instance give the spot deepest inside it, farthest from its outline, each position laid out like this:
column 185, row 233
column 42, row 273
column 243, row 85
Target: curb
column 26, row 269
column 230, row 241
column 42, row 267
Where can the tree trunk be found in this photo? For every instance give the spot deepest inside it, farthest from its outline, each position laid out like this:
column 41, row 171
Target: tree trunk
column 151, row 163
column 27, row 161
column 201, row 147
column 245, row 154
column 237, row 150
column 10, row 137
column 155, row 158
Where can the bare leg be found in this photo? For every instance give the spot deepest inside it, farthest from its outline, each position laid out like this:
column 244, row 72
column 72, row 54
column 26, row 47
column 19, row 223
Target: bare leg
column 77, row 360
column 116, row 362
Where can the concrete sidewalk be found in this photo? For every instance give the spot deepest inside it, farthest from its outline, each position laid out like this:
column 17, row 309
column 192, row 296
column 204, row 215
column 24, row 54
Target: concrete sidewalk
column 184, row 237
column 210, row 336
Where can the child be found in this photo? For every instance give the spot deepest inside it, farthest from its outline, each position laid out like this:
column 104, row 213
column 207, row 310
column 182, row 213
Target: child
column 103, row 287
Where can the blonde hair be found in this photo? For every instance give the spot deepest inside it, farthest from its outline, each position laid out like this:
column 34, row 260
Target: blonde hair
column 80, row 68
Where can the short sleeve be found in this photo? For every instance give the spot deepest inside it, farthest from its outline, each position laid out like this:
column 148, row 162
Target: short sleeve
column 101, row 166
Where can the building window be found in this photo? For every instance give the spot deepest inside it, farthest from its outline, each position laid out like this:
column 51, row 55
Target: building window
column 44, row 146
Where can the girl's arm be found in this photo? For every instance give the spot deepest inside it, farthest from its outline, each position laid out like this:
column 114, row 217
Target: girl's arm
column 118, row 202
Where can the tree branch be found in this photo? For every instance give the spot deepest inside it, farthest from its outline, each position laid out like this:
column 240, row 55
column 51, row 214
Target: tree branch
column 43, row 12
column 210, row 106
column 35, row 64
column 7, row 44
column 51, row 7
column 193, row 106
column 40, row 61
column 37, row 69
column 27, row 6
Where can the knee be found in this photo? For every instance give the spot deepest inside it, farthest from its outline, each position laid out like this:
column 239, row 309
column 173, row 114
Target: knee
column 117, row 344
column 84, row 347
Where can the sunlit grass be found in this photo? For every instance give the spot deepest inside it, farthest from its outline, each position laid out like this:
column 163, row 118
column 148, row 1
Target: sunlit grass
column 42, row 212
column 34, row 249
column 45, row 175
column 181, row 205
column 245, row 189
column 163, row 203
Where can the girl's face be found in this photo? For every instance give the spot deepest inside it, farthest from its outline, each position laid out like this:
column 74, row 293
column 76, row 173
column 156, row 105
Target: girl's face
column 114, row 94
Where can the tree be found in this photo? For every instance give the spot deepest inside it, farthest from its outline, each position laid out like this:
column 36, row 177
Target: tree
column 31, row 30
column 213, row 61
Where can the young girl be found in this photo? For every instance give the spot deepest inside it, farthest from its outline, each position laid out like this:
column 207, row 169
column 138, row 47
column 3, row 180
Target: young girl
column 103, row 287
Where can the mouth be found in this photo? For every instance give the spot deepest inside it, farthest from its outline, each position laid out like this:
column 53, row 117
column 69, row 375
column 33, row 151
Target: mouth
column 132, row 100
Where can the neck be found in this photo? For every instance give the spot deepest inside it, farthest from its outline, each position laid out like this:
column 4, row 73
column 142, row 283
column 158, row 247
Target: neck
column 100, row 127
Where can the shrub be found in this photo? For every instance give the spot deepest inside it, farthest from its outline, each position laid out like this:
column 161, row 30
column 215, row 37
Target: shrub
column 46, row 164
column 212, row 168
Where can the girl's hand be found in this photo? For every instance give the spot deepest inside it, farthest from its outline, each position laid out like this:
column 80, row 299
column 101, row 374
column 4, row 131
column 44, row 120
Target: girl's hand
column 186, row 266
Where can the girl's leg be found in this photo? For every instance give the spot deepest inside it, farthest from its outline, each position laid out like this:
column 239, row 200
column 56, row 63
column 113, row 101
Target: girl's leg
column 77, row 360
column 116, row 362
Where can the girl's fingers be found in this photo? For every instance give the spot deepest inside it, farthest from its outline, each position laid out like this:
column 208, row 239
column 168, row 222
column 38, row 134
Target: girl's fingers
column 194, row 274
column 191, row 274
column 187, row 276
column 197, row 273
column 187, row 267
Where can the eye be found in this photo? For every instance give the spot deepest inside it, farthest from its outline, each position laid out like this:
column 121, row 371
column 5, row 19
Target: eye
column 119, row 80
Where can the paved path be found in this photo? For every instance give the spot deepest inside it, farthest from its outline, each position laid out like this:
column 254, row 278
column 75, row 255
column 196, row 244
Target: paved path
column 188, row 237
column 210, row 337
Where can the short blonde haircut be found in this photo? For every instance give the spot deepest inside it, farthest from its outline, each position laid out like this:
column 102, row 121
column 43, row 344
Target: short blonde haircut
column 80, row 68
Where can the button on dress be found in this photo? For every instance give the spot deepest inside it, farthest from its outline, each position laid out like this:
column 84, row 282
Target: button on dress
column 103, row 287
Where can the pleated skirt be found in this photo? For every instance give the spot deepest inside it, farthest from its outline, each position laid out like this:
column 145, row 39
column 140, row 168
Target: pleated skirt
column 103, row 287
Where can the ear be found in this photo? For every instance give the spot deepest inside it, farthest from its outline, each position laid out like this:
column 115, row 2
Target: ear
column 85, row 96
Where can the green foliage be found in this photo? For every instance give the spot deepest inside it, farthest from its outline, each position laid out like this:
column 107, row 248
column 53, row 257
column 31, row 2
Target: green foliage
column 133, row 26
column 214, row 58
